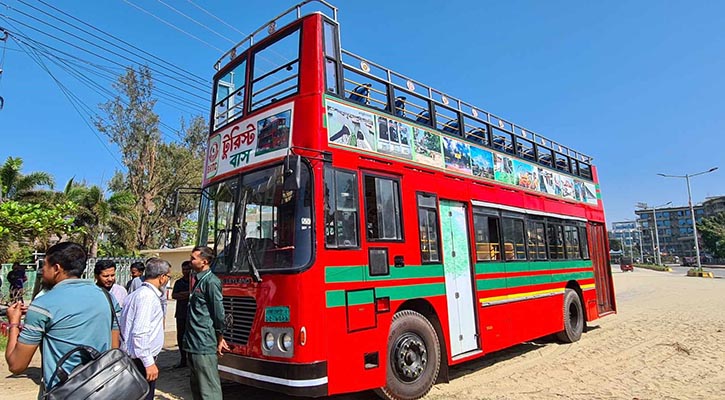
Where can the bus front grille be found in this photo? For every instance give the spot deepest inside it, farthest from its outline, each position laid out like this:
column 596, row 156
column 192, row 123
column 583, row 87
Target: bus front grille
column 238, row 318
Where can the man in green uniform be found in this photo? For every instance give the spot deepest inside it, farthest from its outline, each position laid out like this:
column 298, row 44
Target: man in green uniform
column 203, row 340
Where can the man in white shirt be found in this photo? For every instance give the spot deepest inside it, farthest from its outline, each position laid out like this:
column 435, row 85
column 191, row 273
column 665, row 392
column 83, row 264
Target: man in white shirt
column 142, row 329
column 136, row 283
column 105, row 272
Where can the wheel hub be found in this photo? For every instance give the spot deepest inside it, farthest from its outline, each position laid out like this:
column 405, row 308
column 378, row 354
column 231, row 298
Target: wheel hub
column 410, row 357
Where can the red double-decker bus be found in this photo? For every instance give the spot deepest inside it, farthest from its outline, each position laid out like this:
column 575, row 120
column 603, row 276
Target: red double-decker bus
column 372, row 231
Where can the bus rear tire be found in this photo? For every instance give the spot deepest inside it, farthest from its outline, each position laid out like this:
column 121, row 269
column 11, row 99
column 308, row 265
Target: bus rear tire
column 414, row 357
column 573, row 317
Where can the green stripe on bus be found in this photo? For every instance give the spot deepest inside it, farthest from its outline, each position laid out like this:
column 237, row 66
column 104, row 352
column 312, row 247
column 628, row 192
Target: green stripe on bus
column 360, row 273
column 336, row 298
column 522, row 266
column 519, row 281
column 360, row 297
column 488, row 284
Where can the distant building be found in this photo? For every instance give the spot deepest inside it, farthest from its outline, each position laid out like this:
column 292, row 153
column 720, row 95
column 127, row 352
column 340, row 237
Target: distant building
column 628, row 235
column 674, row 227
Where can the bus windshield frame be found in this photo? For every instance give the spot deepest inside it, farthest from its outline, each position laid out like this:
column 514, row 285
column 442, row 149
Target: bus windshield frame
column 255, row 225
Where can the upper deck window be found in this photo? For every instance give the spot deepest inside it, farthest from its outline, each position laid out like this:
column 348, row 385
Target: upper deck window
column 276, row 71
column 229, row 103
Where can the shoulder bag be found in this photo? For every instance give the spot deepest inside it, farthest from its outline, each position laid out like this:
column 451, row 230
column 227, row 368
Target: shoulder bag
column 108, row 375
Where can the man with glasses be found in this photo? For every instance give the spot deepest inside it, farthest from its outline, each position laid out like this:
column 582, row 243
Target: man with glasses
column 142, row 328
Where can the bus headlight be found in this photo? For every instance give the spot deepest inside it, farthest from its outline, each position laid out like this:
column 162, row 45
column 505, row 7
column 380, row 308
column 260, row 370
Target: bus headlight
column 278, row 341
column 285, row 342
column 269, row 340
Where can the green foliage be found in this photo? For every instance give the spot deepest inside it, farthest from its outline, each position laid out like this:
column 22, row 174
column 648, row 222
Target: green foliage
column 712, row 230
column 29, row 221
column 98, row 216
column 615, row 244
column 14, row 184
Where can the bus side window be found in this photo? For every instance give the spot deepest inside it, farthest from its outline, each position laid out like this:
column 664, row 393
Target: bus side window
column 341, row 209
column 555, row 236
column 488, row 247
column 428, row 228
column 382, row 209
column 513, row 236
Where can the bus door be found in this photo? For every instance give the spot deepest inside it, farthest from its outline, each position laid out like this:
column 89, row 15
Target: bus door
column 598, row 251
column 457, row 269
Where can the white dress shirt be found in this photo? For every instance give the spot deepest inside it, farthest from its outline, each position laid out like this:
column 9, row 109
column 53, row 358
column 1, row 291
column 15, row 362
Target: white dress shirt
column 142, row 326
column 138, row 281
column 119, row 292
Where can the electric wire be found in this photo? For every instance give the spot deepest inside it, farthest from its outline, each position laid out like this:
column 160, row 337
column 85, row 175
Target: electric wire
column 196, row 22
column 187, row 72
column 70, row 96
column 89, row 42
column 94, row 86
column 216, row 18
column 197, row 107
column 173, row 26
column 101, row 57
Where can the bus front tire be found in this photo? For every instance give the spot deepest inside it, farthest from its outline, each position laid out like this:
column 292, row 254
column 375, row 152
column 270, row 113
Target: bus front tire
column 573, row 318
column 414, row 357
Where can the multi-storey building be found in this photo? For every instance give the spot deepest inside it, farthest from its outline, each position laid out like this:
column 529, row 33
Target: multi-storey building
column 628, row 234
column 674, row 227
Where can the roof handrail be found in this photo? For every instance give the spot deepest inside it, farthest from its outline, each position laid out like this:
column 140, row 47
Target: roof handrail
column 272, row 27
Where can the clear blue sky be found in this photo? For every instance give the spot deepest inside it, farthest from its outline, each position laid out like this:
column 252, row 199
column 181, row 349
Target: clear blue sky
column 638, row 85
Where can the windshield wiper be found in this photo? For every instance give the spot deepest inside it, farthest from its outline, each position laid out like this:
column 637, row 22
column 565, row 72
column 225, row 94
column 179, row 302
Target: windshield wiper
column 242, row 238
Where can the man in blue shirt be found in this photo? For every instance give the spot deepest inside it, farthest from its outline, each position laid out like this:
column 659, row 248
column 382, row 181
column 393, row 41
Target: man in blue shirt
column 72, row 313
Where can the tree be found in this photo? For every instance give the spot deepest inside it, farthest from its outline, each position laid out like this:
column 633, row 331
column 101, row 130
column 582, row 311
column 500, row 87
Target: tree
column 712, row 230
column 615, row 244
column 132, row 125
column 155, row 169
column 98, row 216
column 14, row 184
column 36, row 222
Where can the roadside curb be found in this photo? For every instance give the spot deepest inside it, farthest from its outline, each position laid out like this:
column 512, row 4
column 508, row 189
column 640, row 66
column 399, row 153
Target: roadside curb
column 700, row 274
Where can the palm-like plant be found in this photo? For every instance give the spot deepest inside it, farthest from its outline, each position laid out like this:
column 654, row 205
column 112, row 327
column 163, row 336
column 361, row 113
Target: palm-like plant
column 14, row 184
column 99, row 216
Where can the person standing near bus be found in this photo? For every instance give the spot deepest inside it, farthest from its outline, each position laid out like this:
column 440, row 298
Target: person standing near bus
column 74, row 312
column 142, row 322
column 16, row 280
column 203, row 340
column 105, row 273
column 137, row 269
column 181, row 295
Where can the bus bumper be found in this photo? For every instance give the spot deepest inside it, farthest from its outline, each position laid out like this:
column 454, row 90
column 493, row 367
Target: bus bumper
column 308, row 380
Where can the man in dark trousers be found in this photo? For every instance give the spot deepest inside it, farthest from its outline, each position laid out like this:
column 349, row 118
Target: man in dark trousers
column 181, row 295
column 203, row 340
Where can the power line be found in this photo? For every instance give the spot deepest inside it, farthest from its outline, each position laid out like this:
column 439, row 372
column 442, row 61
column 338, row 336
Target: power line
column 70, row 96
column 173, row 68
column 173, row 26
column 94, row 86
column 86, row 41
column 191, row 74
column 100, row 56
column 216, row 18
column 192, row 107
column 197, row 22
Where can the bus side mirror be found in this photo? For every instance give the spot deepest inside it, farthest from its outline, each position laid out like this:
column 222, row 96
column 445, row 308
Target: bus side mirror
column 292, row 171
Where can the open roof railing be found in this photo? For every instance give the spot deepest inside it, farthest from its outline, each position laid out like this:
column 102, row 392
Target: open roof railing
column 399, row 81
column 271, row 26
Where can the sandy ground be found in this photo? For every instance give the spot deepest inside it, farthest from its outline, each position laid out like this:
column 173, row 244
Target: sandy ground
column 666, row 342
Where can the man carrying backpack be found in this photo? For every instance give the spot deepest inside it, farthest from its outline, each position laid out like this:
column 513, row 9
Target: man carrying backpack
column 74, row 312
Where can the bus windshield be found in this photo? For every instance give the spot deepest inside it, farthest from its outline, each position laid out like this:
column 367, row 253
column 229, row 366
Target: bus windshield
column 255, row 225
